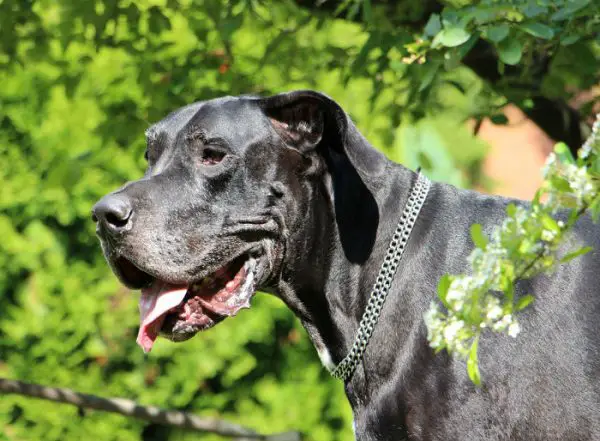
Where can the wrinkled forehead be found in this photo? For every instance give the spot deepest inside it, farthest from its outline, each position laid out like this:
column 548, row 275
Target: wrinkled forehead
column 233, row 119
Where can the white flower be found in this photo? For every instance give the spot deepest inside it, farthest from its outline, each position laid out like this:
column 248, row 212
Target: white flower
column 514, row 329
column 502, row 324
column 548, row 235
column 435, row 324
column 456, row 292
column 580, row 182
column 451, row 331
column 494, row 313
column 592, row 144
column 431, row 316
column 549, row 165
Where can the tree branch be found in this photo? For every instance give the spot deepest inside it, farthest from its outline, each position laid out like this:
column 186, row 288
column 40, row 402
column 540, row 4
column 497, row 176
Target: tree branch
column 130, row 408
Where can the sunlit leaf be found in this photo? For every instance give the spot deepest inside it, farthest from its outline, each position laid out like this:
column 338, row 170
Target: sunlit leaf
column 442, row 288
column 479, row 239
column 451, row 37
column 564, row 154
column 473, row 364
column 580, row 252
column 524, row 302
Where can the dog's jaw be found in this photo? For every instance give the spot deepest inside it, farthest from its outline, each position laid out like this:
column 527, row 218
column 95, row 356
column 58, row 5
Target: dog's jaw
column 178, row 312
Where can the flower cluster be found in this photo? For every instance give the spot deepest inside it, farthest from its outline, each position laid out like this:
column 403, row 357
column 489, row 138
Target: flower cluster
column 592, row 145
column 473, row 301
column 524, row 245
column 453, row 331
column 567, row 184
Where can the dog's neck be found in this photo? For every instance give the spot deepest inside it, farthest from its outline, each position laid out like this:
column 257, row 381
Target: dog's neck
column 333, row 258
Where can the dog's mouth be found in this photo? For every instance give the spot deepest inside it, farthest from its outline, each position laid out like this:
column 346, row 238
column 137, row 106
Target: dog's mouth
column 178, row 312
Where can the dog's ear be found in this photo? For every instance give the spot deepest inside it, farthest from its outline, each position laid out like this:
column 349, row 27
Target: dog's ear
column 306, row 119
column 298, row 119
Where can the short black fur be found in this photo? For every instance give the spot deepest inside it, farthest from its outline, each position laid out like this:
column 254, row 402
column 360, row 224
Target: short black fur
column 301, row 185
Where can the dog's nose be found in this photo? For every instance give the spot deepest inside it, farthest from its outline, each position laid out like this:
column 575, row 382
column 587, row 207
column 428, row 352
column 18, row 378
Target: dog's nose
column 113, row 212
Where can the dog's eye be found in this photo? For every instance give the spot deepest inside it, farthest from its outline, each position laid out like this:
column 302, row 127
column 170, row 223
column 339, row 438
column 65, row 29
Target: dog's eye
column 211, row 156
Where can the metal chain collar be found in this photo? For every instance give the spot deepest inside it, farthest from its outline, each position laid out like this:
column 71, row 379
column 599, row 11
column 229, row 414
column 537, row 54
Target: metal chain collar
column 347, row 366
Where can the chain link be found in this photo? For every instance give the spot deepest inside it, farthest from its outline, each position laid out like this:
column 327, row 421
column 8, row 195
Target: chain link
column 418, row 194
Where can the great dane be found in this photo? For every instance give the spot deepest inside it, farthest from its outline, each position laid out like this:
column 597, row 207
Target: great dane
column 284, row 195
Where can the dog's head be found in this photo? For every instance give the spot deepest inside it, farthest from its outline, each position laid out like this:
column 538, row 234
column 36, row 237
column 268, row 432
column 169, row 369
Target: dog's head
column 207, row 224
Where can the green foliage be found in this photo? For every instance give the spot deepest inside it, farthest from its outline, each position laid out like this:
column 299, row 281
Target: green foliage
column 521, row 32
column 473, row 363
column 513, row 21
column 526, row 244
column 80, row 83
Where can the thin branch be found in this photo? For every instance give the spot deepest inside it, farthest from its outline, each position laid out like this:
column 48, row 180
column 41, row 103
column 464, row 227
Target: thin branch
column 182, row 420
column 540, row 253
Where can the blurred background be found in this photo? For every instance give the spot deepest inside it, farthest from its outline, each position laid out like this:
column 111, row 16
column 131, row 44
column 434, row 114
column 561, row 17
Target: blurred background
column 475, row 92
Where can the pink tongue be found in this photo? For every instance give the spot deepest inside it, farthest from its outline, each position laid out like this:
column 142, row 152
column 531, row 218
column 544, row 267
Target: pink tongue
column 155, row 302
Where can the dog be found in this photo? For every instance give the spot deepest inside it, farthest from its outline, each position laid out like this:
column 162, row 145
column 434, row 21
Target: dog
column 284, row 195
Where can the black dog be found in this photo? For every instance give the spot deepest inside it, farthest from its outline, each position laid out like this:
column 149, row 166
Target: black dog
column 283, row 194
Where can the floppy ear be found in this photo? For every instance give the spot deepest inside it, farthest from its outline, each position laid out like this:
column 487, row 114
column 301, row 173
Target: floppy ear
column 299, row 120
column 306, row 119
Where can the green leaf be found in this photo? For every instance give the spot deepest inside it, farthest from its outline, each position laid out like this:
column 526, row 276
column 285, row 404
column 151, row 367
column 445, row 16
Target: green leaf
column 508, row 287
column 534, row 10
column 511, row 209
column 499, row 119
column 564, row 153
column 483, row 15
column 157, row 21
column 464, row 49
column 538, row 29
column 230, row 25
column 524, row 302
column 479, row 239
column 550, row 224
column 595, row 209
column 526, row 246
column 497, row 33
column 574, row 254
column 424, row 161
column 451, row 59
column 367, row 12
column 536, row 197
column 527, row 104
column 473, row 364
column 443, row 286
column 567, row 11
column 560, row 184
column 451, row 37
column 569, row 39
column 510, row 51
column 433, row 26
column 431, row 70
